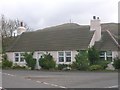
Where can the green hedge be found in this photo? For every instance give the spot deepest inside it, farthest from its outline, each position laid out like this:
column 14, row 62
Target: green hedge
column 95, row 67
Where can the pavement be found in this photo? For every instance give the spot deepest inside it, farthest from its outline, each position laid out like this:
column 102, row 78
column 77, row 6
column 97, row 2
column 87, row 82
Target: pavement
column 56, row 79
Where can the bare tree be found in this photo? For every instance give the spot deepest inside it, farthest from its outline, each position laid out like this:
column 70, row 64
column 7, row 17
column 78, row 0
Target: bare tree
column 7, row 26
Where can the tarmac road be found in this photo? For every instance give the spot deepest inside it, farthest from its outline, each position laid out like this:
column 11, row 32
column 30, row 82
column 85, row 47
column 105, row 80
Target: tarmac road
column 54, row 79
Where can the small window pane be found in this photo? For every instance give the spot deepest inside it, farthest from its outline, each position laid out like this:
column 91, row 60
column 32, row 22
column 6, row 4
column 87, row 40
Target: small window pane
column 61, row 59
column 16, row 54
column 21, row 54
column 16, row 59
column 68, row 59
column 21, row 59
column 61, row 53
column 109, row 53
column 109, row 58
column 102, row 58
column 68, row 53
column 102, row 53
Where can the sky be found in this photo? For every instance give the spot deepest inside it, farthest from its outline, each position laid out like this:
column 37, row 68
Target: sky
column 39, row 14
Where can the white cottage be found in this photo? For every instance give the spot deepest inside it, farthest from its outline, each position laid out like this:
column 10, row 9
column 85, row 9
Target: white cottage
column 63, row 41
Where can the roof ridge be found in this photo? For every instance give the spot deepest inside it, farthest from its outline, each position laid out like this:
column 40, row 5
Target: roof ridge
column 116, row 42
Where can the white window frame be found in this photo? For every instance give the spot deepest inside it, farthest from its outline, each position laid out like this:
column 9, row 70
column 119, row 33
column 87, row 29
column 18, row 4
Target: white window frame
column 61, row 56
column 68, row 56
column 105, row 56
column 19, row 57
column 64, row 56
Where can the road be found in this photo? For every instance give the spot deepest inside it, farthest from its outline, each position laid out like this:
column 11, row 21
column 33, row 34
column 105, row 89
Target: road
column 54, row 79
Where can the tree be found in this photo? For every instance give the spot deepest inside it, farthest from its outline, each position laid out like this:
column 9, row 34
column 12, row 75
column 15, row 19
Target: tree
column 47, row 62
column 9, row 25
column 82, row 62
column 31, row 62
column 93, row 55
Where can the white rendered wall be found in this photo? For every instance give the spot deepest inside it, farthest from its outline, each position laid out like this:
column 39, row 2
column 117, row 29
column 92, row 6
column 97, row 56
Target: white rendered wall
column 114, row 54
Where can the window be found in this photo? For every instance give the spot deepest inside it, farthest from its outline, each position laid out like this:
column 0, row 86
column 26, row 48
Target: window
column 61, row 56
column 109, row 55
column 16, row 57
column 64, row 56
column 102, row 53
column 106, row 55
column 19, row 57
column 68, row 56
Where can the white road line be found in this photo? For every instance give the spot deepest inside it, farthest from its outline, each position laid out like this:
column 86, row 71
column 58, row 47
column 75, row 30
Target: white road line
column 46, row 83
column 38, row 81
column 51, row 84
column 116, row 86
column 55, row 85
column 62, row 87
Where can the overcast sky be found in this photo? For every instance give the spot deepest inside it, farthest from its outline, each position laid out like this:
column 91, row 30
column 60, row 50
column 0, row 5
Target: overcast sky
column 44, row 13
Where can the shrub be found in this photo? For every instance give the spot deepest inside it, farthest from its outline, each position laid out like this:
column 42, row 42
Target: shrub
column 16, row 66
column 0, row 65
column 116, row 63
column 95, row 67
column 47, row 62
column 7, row 64
column 103, row 63
column 82, row 62
column 93, row 55
column 31, row 62
column 64, row 67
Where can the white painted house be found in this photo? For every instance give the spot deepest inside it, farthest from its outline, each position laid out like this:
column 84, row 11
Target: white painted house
column 63, row 41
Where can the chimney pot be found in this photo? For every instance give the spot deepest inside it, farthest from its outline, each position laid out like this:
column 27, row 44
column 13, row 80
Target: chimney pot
column 94, row 17
column 98, row 18
column 21, row 24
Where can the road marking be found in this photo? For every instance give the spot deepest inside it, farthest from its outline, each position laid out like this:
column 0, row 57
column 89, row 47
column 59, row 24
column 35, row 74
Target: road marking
column 115, row 86
column 46, row 83
column 38, row 81
column 62, row 87
column 51, row 84
column 8, row 74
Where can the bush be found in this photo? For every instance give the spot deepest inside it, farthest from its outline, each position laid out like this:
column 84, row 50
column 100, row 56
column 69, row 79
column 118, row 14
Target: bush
column 64, row 67
column 7, row 64
column 16, row 66
column 31, row 62
column 116, row 63
column 0, row 64
column 93, row 55
column 103, row 63
column 82, row 62
column 95, row 67
column 47, row 62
